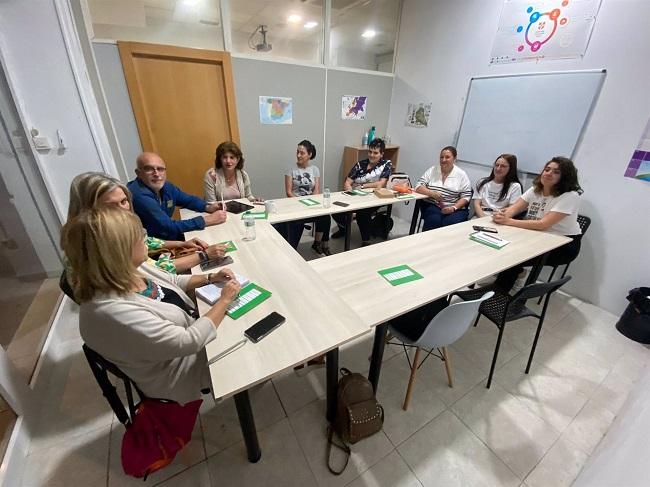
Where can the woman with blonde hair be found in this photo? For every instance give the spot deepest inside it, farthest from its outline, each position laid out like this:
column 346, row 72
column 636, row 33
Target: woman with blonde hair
column 94, row 189
column 136, row 316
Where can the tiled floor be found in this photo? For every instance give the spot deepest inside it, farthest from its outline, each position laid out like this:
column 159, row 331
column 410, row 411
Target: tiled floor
column 527, row 430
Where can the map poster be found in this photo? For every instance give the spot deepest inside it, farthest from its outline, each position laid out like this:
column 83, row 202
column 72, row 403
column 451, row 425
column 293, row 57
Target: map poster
column 533, row 30
column 639, row 166
column 353, row 107
column 276, row 110
column 417, row 115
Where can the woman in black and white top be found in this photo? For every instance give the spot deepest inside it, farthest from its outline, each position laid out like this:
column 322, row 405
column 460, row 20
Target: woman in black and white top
column 500, row 189
column 449, row 190
column 552, row 205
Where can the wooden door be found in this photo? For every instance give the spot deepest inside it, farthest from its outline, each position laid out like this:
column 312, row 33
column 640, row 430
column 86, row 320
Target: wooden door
column 184, row 105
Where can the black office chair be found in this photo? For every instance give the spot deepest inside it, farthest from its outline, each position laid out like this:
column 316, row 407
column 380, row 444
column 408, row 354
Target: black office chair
column 584, row 222
column 503, row 308
column 100, row 368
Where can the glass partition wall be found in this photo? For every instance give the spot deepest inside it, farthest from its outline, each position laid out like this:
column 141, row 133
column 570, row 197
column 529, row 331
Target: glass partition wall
column 361, row 33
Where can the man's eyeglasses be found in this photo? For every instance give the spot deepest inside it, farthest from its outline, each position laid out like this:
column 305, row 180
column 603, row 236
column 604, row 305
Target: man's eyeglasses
column 153, row 169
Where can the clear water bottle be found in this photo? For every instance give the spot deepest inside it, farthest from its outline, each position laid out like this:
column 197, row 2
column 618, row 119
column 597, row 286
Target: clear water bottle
column 249, row 225
column 327, row 198
column 364, row 140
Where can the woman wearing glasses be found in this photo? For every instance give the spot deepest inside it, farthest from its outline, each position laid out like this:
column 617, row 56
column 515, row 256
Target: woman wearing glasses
column 136, row 316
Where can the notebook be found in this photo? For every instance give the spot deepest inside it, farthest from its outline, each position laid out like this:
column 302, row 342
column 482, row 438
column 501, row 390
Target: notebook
column 212, row 292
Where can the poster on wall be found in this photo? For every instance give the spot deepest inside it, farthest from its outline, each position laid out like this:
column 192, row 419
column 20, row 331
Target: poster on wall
column 639, row 166
column 543, row 29
column 353, row 107
column 417, row 115
column 276, row 110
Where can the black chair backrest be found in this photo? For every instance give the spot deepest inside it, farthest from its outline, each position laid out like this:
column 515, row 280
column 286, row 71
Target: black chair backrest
column 65, row 286
column 100, row 368
column 539, row 289
column 584, row 222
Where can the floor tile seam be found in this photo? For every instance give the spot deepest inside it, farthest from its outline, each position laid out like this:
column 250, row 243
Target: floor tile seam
column 547, row 452
column 486, row 445
column 409, row 466
column 397, row 445
column 304, row 453
column 67, row 438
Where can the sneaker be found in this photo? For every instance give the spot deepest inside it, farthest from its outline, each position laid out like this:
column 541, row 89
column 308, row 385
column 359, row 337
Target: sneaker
column 317, row 247
column 340, row 233
column 326, row 249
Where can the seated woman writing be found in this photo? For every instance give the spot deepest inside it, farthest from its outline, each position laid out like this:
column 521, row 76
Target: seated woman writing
column 303, row 180
column 552, row 205
column 370, row 173
column 227, row 180
column 93, row 190
column 500, row 189
column 136, row 316
column 449, row 190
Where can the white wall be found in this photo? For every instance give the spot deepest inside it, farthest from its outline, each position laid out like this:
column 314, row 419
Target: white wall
column 43, row 84
column 443, row 44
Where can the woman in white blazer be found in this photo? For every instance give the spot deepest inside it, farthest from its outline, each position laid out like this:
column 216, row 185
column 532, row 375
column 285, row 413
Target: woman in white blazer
column 135, row 315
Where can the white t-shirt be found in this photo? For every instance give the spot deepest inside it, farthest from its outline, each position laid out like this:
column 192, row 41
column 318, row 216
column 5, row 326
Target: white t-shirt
column 490, row 192
column 567, row 203
column 455, row 187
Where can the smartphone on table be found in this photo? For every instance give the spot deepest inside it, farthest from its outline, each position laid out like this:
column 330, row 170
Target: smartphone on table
column 214, row 263
column 263, row 327
column 340, row 203
column 480, row 228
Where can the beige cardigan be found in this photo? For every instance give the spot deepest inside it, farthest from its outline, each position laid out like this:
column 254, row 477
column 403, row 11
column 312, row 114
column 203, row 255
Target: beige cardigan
column 156, row 344
column 214, row 182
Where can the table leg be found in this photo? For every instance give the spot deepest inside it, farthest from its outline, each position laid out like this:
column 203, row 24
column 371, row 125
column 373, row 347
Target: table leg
column 332, row 373
column 414, row 218
column 348, row 229
column 389, row 213
column 377, row 355
column 247, row 424
column 537, row 269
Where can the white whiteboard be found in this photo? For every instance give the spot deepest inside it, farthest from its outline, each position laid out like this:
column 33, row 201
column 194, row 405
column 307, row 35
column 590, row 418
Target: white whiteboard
column 534, row 116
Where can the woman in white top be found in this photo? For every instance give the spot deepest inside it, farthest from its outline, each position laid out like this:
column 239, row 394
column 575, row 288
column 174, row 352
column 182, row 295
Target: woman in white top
column 500, row 189
column 301, row 181
column 227, row 180
column 136, row 316
column 449, row 190
column 552, row 205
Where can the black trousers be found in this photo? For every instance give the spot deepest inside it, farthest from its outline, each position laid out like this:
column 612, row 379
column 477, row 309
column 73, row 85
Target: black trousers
column 364, row 217
column 413, row 323
column 560, row 256
column 292, row 231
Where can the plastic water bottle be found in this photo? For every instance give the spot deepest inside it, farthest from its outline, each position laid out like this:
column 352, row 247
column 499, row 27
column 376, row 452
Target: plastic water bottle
column 371, row 134
column 249, row 225
column 327, row 198
column 364, row 141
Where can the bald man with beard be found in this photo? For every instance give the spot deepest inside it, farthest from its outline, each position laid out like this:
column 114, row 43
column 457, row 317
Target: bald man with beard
column 155, row 199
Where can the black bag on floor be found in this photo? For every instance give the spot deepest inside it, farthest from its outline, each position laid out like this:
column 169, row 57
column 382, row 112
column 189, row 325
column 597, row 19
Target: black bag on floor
column 635, row 320
column 381, row 225
column 358, row 415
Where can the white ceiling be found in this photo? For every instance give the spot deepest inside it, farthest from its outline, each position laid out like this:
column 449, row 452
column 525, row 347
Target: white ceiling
column 349, row 18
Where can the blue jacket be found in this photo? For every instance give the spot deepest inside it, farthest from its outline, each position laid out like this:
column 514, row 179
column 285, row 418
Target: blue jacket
column 156, row 213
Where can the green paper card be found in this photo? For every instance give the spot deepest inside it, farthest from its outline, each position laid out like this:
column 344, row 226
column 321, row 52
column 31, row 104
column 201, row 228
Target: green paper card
column 494, row 242
column 309, row 202
column 360, row 192
column 404, row 197
column 257, row 215
column 249, row 297
column 230, row 246
column 399, row 275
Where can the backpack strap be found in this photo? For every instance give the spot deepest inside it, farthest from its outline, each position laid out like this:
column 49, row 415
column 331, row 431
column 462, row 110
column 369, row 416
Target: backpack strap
column 342, row 446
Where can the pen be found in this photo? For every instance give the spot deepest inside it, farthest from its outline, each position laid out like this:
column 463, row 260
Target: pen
column 227, row 351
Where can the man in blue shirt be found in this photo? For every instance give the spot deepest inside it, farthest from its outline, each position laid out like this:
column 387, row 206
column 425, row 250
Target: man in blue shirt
column 155, row 199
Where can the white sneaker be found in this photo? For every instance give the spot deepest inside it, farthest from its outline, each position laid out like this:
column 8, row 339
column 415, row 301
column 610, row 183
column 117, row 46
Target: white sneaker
column 520, row 282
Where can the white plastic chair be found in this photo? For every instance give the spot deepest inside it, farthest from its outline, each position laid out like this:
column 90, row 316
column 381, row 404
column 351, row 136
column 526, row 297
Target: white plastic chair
column 444, row 329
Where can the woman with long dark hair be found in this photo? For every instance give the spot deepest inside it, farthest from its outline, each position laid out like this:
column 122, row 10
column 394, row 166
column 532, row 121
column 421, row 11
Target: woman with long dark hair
column 500, row 189
column 552, row 206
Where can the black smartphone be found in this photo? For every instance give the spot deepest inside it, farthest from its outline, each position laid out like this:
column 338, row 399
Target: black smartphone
column 340, row 203
column 237, row 207
column 214, row 263
column 349, row 193
column 479, row 228
column 263, row 327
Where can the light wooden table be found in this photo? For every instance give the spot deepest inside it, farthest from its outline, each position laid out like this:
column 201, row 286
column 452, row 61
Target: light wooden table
column 446, row 258
column 291, row 209
column 317, row 320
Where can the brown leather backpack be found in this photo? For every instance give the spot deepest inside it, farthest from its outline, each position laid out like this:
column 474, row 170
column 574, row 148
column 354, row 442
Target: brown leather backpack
column 358, row 414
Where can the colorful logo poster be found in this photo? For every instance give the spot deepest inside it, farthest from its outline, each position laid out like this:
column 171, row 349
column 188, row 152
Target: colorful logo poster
column 547, row 29
column 275, row 110
column 353, row 107
column 639, row 166
column 417, row 115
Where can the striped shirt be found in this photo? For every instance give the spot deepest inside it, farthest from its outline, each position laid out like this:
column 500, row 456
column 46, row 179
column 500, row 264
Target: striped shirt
column 455, row 187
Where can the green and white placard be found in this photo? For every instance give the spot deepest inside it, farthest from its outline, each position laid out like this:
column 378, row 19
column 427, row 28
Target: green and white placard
column 309, row 202
column 249, row 297
column 399, row 275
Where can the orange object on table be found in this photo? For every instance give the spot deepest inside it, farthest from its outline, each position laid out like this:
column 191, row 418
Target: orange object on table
column 402, row 189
